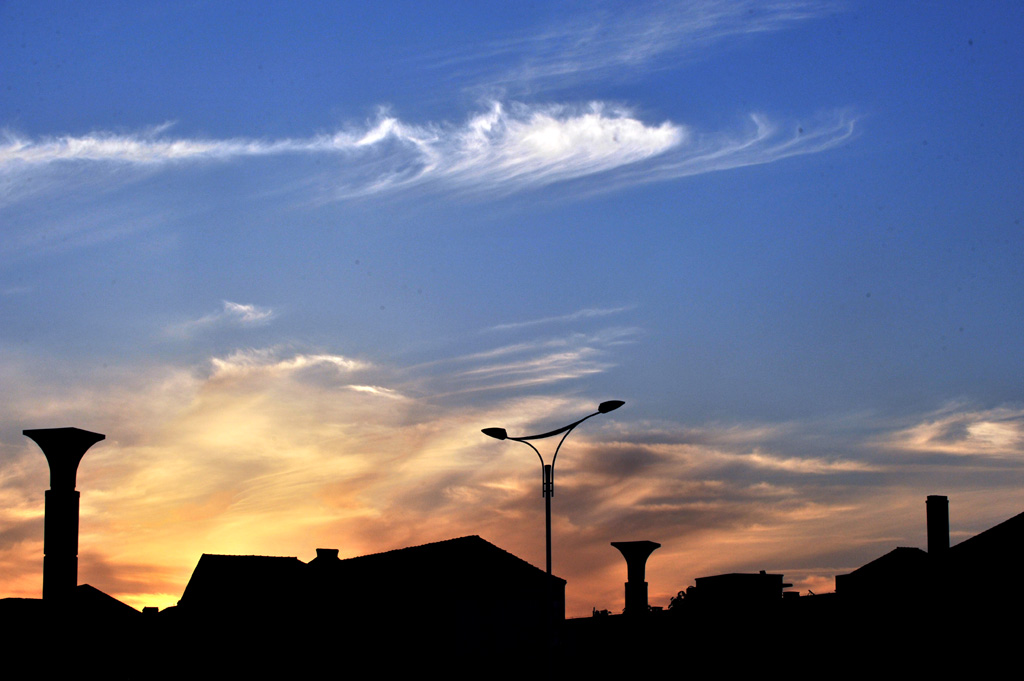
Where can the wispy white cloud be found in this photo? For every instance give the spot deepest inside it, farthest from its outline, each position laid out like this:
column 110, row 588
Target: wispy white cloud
column 763, row 141
column 549, row 367
column 537, row 146
column 247, row 314
column 269, row 361
column 235, row 314
column 963, row 431
column 586, row 313
column 379, row 391
column 533, row 363
column 152, row 147
column 805, row 465
column 606, row 42
column 501, row 150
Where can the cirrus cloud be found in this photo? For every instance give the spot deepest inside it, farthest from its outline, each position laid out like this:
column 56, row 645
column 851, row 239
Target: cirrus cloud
column 959, row 431
column 233, row 314
column 504, row 149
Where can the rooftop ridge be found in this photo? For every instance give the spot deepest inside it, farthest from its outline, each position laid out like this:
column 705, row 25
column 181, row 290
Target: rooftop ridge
column 472, row 538
column 247, row 555
column 423, row 546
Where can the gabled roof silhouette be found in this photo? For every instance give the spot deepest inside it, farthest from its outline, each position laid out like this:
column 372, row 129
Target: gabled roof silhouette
column 900, row 559
column 87, row 600
column 1001, row 541
column 463, row 575
column 455, row 573
column 236, row 581
column 457, row 555
column 463, row 590
column 101, row 604
column 903, row 567
column 990, row 561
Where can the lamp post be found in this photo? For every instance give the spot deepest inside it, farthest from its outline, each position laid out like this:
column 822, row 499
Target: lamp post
column 548, row 470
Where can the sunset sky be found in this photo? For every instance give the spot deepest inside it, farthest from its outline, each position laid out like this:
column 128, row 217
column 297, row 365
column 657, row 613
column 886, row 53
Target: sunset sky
column 291, row 258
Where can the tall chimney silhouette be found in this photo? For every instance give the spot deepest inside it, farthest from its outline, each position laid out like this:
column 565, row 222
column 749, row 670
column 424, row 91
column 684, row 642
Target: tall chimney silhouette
column 64, row 449
column 938, row 524
column 636, row 554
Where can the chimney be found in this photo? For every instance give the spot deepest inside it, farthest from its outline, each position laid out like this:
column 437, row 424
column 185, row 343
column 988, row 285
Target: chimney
column 938, row 524
column 64, row 449
column 636, row 554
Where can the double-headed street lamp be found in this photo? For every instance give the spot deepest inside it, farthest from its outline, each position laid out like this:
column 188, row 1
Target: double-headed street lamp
column 548, row 470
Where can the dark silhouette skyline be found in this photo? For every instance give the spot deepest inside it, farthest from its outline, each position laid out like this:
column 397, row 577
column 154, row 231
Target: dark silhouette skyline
column 464, row 601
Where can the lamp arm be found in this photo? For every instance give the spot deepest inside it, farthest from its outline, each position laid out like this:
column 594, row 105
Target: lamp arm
column 570, row 428
column 518, row 439
column 563, row 429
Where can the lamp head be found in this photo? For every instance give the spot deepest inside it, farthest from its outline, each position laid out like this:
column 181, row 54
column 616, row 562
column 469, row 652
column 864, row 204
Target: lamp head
column 610, row 405
column 496, row 433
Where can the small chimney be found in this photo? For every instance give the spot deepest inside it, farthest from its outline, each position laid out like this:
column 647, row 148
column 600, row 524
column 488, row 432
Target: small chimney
column 636, row 554
column 64, row 449
column 938, row 524
column 327, row 554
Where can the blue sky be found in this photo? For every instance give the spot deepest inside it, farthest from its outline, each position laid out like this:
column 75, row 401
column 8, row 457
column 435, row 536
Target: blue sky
column 291, row 260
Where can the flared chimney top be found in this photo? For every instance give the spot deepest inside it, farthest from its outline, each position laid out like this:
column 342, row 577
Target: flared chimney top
column 64, row 449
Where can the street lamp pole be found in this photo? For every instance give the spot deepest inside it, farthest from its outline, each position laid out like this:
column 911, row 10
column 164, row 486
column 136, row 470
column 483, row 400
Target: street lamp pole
column 548, row 470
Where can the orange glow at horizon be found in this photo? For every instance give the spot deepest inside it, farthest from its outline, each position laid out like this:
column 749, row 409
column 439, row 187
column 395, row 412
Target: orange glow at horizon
column 268, row 457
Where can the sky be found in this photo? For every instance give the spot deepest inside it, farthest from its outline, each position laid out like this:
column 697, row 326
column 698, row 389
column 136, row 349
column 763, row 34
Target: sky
column 291, row 258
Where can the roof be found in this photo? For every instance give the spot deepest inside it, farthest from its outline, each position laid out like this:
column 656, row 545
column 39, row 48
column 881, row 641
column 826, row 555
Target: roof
column 459, row 553
column 902, row 559
column 102, row 604
column 429, row 573
column 1001, row 541
column 900, row 570
column 233, row 581
column 87, row 601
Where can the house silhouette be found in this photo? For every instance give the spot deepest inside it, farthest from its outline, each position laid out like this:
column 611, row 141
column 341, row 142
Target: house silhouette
column 462, row 594
column 961, row 576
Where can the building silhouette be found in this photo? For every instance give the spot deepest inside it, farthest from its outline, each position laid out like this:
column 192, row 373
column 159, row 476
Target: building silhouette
column 465, row 591
column 945, row 611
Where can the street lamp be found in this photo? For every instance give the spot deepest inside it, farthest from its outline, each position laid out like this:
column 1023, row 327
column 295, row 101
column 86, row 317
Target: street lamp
column 548, row 470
